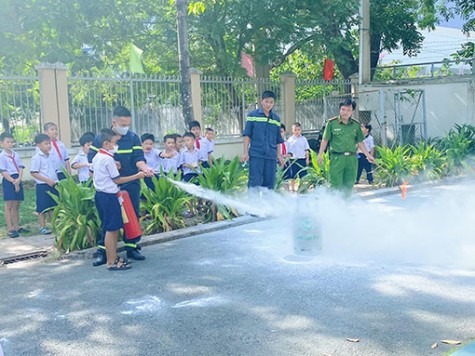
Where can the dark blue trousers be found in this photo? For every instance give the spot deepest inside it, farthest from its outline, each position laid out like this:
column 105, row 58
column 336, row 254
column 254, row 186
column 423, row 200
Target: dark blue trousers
column 262, row 172
column 133, row 189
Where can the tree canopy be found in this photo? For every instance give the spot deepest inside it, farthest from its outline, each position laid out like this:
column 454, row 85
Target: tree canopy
column 278, row 34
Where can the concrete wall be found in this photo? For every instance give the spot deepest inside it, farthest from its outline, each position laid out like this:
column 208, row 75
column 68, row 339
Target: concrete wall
column 449, row 100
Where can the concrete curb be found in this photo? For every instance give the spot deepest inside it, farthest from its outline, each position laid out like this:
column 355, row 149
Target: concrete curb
column 173, row 235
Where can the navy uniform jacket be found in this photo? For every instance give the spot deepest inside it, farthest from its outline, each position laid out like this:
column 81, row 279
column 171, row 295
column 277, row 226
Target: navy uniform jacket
column 264, row 133
column 129, row 153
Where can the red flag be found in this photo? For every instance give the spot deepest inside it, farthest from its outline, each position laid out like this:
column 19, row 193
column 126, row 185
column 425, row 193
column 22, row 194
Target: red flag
column 247, row 63
column 328, row 69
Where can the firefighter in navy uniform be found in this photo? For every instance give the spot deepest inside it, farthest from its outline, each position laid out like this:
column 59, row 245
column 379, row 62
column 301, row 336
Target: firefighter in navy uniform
column 261, row 137
column 130, row 158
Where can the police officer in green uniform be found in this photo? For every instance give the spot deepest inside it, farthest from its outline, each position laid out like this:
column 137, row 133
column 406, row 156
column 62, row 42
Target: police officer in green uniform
column 344, row 135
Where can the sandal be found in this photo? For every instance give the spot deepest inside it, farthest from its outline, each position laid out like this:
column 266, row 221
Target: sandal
column 119, row 265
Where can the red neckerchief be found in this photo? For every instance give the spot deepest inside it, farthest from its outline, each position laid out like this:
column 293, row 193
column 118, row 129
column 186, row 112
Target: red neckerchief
column 198, row 145
column 55, row 144
column 284, row 149
column 106, row 153
column 12, row 157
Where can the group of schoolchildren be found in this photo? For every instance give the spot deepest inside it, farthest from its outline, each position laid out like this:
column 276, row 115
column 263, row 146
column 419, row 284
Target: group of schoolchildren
column 187, row 153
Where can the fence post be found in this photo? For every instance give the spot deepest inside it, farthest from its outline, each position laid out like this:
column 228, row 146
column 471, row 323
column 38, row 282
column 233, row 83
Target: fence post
column 287, row 83
column 355, row 89
column 54, row 103
column 196, row 94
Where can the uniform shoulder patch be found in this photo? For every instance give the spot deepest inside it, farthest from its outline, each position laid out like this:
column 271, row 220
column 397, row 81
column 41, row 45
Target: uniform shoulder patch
column 333, row 118
column 355, row 120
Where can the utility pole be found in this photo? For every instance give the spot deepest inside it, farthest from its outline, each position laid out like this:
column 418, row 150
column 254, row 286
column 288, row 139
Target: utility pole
column 184, row 59
column 365, row 47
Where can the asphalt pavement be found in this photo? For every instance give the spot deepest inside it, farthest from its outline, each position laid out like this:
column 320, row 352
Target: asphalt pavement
column 245, row 291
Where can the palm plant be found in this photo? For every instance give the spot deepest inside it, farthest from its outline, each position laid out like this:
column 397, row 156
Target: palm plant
column 428, row 160
column 165, row 205
column 317, row 174
column 393, row 166
column 76, row 223
column 224, row 177
column 458, row 145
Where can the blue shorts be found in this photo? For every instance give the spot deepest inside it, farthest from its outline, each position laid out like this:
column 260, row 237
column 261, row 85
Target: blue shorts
column 189, row 176
column 297, row 166
column 43, row 199
column 9, row 193
column 287, row 168
column 108, row 207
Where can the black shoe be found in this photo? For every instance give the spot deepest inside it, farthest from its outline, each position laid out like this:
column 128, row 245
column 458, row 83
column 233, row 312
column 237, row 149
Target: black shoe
column 22, row 230
column 101, row 260
column 13, row 234
column 135, row 255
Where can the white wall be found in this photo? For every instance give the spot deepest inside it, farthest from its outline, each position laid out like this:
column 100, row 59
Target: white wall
column 449, row 100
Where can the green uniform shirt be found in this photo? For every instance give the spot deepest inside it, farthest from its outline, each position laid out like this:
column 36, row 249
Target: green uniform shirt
column 343, row 138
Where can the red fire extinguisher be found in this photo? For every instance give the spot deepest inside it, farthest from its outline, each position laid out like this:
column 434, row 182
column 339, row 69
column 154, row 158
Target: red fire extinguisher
column 131, row 223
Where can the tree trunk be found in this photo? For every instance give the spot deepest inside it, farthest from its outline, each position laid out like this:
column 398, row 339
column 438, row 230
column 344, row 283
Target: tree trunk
column 184, row 59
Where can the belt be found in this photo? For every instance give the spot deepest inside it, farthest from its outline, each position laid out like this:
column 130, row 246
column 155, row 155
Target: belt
column 343, row 153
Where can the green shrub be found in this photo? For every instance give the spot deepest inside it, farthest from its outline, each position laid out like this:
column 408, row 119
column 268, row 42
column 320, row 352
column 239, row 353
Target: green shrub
column 428, row 161
column 165, row 205
column 317, row 174
column 393, row 166
column 76, row 222
column 458, row 145
column 224, row 177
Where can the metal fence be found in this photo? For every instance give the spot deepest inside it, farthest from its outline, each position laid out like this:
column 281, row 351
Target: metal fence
column 313, row 99
column 154, row 103
column 20, row 107
column 446, row 68
column 398, row 116
column 225, row 102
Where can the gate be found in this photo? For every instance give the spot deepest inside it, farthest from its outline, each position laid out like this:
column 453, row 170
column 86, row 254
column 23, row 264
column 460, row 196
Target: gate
column 398, row 117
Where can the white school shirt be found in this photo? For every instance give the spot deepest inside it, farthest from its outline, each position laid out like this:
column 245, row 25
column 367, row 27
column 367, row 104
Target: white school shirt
column 105, row 170
column 210, row 145
column 55, row 155
column 44, row 165
column 6, row 162
column 81, row 158
column 204, row 147
column 369, row 143
column 153, row 159
column 169, row 164
column 297, row 146
column 193, row 158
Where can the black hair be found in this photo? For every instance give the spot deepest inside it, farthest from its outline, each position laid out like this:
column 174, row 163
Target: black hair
column 106, row 135
column 5, row 135
column 296, row 124
column 147, row 136
column 348, row 102
column 41, row 137
column 209, row 129
column 86, row 138
column 268, row 94
column 282, row 126
column 121, row 111
column 194, row 123
column 189, row 134
column 369, row 127
column 48, row 125
column 169, row 137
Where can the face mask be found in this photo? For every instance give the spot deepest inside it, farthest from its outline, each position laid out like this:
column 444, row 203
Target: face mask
column 114, row 150
column 122, row 130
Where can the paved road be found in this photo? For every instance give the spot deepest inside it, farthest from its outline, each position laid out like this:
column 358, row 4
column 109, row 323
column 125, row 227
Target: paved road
column 242, row 291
